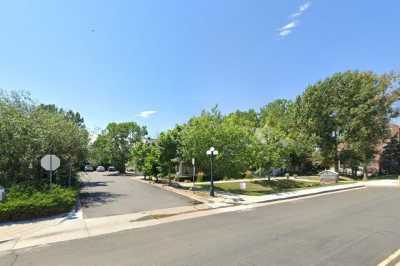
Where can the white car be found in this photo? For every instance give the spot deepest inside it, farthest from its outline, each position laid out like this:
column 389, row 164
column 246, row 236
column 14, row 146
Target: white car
column 100, row 168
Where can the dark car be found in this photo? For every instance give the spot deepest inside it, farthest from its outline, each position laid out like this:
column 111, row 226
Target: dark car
column 111, row 169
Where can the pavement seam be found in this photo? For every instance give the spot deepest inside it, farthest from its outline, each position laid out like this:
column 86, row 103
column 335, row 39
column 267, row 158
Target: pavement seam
column 15, row 258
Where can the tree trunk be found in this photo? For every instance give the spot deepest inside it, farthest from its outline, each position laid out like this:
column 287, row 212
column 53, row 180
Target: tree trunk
column 365, row 172
column 169, row 175
column 122, row 169
column 336, row 163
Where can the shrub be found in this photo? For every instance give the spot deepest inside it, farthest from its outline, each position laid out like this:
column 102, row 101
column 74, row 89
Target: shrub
column 200, row 177
column 27, row 202
column 248, row 174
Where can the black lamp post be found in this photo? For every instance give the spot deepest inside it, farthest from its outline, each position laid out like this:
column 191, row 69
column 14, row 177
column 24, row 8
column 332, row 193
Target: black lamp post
column 212, row 152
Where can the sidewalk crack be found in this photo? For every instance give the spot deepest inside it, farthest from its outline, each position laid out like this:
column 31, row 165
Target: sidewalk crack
column 15, row 259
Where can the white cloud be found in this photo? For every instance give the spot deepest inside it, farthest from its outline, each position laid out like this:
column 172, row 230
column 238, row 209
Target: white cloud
column 146, row 114
column 305, row 6
column 288, row 28
column 302, row 9
column 284, row 33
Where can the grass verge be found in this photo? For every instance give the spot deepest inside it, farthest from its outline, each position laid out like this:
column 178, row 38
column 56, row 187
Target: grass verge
column 258, row 188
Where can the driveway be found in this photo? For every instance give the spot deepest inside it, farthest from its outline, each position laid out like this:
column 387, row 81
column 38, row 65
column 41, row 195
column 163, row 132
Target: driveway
column 106, row 194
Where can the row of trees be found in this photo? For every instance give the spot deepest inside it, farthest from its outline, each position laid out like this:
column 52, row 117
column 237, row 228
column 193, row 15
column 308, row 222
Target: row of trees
column 342, row 118
column 29, row 131
column 113, row 145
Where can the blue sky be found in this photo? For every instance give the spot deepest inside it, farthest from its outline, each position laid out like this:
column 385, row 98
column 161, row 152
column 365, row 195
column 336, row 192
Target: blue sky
column 112, row 60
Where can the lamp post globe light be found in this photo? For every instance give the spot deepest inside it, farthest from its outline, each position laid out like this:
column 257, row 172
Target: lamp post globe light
column 212, row 152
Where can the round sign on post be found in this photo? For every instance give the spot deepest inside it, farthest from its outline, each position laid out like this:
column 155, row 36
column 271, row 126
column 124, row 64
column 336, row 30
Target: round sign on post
column 50, row 163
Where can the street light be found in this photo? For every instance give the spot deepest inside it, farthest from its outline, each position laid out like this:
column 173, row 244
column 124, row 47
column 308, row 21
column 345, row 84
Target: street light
column 212, row 152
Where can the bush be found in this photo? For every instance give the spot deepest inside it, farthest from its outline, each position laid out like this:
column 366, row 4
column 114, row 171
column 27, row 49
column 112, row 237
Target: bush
column 27, row 202
column 200, row 177
column 248, row 174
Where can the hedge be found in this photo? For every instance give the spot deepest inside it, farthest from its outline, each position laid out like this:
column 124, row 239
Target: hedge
column 27, row 202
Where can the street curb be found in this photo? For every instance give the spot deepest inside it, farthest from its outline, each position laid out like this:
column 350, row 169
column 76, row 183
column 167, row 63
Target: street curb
column 307, row 195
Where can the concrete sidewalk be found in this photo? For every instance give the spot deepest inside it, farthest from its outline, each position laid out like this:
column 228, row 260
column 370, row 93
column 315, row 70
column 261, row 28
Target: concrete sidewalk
column 35, row 233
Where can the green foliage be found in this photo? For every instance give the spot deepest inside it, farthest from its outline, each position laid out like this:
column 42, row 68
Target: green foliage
column 226, row 134
column 352, row 108
column 281, row 144
column 390, row 159
column 114, row 144
column 28, row 132
column 139, row 153
column 169, row 145
column 152, row 166
column 200, row 177
column 28, row 201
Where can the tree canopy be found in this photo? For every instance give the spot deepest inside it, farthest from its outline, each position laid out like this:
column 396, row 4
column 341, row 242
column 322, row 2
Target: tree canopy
column 28, row 132
column 113, row 146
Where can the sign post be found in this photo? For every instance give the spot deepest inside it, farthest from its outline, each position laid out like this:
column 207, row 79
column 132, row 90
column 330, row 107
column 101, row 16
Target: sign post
column 50, row 163
column 194, row 171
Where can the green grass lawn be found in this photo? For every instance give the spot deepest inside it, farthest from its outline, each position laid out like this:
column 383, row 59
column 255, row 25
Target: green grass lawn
column 258, row 188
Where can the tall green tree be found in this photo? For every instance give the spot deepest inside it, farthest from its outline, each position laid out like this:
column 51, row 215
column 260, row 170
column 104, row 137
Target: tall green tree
column 282, row 141
column 28, row 132
column 351, row 107
column 139, row 152
column 170, row 149
column 390, row 159
column 212, row 129
column 364, row 110
column 116, row 141
column 152, row 165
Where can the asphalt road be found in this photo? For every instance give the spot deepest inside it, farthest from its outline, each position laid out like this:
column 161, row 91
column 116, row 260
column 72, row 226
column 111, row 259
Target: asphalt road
column 351, row 228
column 108, row 194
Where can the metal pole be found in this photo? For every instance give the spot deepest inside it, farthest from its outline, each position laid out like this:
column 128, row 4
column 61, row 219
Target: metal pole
column 212, row 178
column 70, row 173
column 194, row 174
column 51, row 171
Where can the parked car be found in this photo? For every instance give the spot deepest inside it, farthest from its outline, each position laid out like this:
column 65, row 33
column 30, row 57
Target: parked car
column 88, row 168
column 111, row 169
column 100, row 168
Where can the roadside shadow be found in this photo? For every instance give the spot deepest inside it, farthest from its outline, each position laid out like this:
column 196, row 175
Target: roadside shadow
column 96, row 198
column 112, row 174
column 119, row 174
column 96, row 183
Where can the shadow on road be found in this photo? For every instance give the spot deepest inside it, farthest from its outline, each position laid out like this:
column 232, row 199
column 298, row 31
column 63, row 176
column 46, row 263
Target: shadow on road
column 97, row 198
column 96, row 183
column 118, row 174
